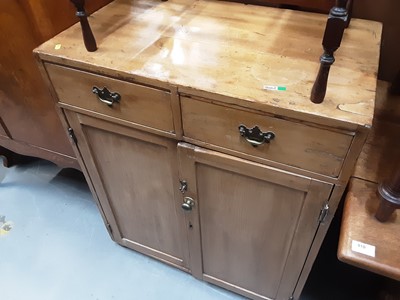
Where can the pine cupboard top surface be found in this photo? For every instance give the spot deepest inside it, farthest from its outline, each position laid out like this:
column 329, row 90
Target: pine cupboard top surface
column 230, row 51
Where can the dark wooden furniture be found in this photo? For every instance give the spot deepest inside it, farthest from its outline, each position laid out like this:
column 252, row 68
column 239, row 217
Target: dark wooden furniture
column 395, row 88
column 29, row 123
column 322, row 6
column 337, row 22
column 88, row 37
column 360, row 229
column 389, row 193
column 195, row 155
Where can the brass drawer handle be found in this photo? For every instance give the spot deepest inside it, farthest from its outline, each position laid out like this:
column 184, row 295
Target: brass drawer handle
column 255, row 136
column 106, row 96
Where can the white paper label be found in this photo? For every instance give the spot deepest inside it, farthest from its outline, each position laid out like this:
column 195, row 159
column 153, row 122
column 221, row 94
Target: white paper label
column 363, row 248
column 274, row 88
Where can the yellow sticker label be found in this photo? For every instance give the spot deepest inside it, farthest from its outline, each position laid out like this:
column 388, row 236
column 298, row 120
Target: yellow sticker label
column 5, row 226
column 57, row 47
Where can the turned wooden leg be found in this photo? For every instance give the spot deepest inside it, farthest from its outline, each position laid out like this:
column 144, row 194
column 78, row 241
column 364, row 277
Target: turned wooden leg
column 389, row 194
column 334, row 29
column 88, row 37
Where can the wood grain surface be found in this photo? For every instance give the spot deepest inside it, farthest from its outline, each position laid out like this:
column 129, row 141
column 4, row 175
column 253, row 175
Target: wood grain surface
column 359, row 224
column 252, row 218
column 135, row 175
column 138, row 104
column 294, row 144
column 231, row 50
column 258, row 218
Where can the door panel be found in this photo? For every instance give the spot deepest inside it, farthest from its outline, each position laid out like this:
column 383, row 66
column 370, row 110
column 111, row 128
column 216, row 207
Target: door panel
column 135, row 177
column 247, row 225
column 254, row 230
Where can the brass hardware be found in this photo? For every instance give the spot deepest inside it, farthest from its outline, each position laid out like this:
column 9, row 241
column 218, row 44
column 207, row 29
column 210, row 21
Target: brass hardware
column 255, row 136
column 188, row 203
column 106, row 96
column 183, row 186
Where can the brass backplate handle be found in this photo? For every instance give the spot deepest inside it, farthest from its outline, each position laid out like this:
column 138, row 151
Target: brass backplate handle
column 255, row 136
column 106, row 96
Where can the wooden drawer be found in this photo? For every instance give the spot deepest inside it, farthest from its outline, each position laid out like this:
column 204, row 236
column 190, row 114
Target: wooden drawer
column 299, row 145
column 139, row 104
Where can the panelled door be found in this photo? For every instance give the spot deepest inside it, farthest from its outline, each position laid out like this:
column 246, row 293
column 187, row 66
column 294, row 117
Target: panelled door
column 254, row 224
column 135, row 177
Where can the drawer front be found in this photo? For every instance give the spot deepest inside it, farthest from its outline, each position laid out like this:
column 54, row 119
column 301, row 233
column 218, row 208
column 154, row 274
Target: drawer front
column 295, row 144
column 139, row 104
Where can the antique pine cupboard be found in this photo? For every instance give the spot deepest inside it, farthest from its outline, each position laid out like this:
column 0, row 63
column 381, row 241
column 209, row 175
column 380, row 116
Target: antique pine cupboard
column 160, row 118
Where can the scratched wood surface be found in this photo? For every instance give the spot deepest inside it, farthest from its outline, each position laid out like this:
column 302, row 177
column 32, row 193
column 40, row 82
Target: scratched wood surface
column 230, row 51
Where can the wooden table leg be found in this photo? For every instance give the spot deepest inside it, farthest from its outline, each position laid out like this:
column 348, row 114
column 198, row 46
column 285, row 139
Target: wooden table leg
column 389, row 194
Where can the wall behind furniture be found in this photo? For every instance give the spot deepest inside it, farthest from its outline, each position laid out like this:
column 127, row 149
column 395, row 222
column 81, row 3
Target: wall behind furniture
column 387, row 12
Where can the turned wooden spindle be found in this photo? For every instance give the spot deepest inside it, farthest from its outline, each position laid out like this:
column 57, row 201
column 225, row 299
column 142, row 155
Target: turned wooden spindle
column 334, row 29
column 88, row 37
column 389, row 194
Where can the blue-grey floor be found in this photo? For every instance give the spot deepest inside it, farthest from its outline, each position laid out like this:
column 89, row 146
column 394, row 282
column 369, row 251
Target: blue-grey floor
column 54, row 246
